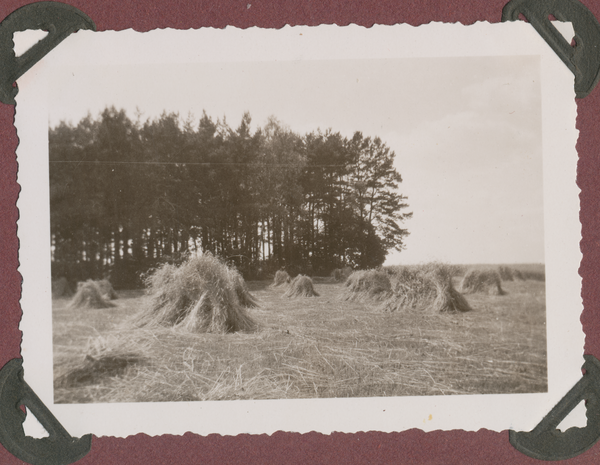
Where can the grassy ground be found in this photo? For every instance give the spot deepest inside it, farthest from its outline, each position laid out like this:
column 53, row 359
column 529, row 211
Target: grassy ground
column 306, row 348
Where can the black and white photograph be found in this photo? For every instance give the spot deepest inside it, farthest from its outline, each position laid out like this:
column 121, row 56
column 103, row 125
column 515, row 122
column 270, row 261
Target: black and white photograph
column 267, row 248
column 308, row 228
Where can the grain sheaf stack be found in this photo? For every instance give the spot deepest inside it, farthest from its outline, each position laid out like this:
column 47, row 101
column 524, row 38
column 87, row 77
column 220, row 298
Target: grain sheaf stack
column 201, row 295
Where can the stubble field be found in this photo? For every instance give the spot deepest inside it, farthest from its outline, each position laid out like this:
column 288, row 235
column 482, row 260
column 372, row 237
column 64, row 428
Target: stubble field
column 305, row 348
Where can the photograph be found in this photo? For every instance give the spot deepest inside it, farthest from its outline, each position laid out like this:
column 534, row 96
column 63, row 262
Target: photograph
column 298, row 230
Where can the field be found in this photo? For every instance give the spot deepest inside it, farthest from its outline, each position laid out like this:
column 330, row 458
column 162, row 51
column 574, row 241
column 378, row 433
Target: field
column 305, row 348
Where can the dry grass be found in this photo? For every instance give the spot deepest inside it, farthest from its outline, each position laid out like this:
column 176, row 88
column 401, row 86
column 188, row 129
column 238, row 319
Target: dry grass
column 301, row 286
column 200, row 295
column 485, row 281
column 307, row 348
column 103, row 358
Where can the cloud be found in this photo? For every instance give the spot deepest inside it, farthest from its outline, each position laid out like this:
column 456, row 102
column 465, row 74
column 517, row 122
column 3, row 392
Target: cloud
column 474, row 180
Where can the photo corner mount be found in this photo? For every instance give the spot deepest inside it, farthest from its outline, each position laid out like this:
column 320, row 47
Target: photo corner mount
column 546, row 441
column 582, row 57
column 59, row 448
column 58, row 19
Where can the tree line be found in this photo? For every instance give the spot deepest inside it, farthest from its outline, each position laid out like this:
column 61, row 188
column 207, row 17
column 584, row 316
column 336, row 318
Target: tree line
column 128, row 195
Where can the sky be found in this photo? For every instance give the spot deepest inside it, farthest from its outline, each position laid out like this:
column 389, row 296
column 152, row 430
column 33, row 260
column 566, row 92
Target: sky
column 466, row 132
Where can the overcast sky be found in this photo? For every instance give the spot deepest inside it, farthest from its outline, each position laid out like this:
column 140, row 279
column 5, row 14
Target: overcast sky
column 466, row 132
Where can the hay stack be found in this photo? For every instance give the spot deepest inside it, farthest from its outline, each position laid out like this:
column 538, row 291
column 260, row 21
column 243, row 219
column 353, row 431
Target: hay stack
column 107, row 290
column 482, row 281
column 337, row 276
column 241, row 290
column 448, row 299
column 506, row 273
column 427, row 287
column 510, row 274
column 89, row 295
column 61, row 288
column 533, row 275
column 518, row 275
column 411, row 287
column 367, row 285
column 281, row 277
column 301, row 286
column 200, row 295
column 341, row 274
